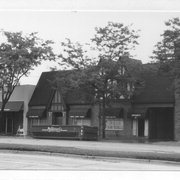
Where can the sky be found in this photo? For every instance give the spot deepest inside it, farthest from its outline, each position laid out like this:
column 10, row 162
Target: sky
column 77, row 19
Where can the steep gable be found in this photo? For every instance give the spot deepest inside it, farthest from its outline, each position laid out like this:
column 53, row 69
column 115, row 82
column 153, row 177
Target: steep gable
column 43, row 91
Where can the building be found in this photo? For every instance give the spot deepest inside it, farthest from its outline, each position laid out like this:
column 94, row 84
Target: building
column 149, row 115
column 48, row 107
column 16, row 110
column 153, row 109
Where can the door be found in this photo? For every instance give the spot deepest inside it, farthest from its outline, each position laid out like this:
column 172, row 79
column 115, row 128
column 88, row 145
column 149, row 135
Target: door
column 9, row 126
column 57, row 118
column 135, row 127
column 141, row 127
column 161, row 123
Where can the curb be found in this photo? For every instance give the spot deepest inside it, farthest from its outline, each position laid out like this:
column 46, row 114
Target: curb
column 97, row 158
column 147, row 156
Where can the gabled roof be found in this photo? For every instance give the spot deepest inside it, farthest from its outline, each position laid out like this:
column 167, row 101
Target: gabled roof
column 78, row 97
column 157, row 88
column 35, row 113
column 13, row 106
column 44, row 91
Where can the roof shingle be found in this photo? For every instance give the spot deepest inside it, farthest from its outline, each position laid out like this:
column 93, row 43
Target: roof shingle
column 158, row 89
column 44, row 91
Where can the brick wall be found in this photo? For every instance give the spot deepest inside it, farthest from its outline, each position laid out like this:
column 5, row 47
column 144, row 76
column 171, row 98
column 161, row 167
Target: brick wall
column 126, row 133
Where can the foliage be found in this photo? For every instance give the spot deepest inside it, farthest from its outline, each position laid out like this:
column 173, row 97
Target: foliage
column 108, row 77
column 112, row 80
column 111, row 42
column 167, row 51
column 74, row 56
column 115, row 40
column 75, row 62
column 18, row 55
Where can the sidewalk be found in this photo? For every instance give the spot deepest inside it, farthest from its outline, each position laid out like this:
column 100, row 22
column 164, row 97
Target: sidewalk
column 168, row 151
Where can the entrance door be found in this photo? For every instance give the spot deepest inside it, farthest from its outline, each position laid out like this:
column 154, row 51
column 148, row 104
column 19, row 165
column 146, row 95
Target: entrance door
column 141, row 127
column 57, row 118
column 9, row 126
column 161, row 123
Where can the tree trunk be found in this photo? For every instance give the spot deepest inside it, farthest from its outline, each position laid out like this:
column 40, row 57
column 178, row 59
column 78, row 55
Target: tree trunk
column 103, row 117
column 2, row 117
column 177, row 109
column 100, row 120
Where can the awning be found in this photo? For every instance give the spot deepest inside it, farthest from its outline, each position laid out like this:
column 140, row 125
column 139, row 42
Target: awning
column 138, row 112
column 35, row 113
column 13, row 106
column 80, row 111
column 114, row 112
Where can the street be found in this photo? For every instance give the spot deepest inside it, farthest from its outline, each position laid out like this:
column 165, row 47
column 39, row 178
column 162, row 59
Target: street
column 10, row 160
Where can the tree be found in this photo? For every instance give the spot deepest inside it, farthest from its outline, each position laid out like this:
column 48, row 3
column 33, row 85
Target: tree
column 167, row 54
column 107, row 76
column 18, row 55
column 115, row 40
column 73, row 64
column 167, row 51
column 113, row 44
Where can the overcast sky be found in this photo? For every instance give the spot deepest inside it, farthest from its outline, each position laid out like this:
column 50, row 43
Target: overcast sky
column 76, row 19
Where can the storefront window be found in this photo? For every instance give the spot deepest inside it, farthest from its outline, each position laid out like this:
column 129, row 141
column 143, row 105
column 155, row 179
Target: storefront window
column 43, row 122
column 81, row 121
column 39, row 122
column 113, row 123
column 35, row 122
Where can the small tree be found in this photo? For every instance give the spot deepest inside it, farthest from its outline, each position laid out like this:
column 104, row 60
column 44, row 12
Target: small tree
column 18, row 55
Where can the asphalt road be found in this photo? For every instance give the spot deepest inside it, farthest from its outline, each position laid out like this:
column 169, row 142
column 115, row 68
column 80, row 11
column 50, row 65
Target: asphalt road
column 24, row 161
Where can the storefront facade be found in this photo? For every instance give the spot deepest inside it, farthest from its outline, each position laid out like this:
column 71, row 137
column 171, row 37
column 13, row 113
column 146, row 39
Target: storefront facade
column 154, row 122
column 15, row 111
column 147, row 116
column 153, row 109
column 13, row 117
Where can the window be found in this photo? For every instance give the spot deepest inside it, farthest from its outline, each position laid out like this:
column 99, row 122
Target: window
column 43, row 121
column 39, row 122
column 35, row 122
column 113, row 123
column 128, row 87
column 80, row 121
column 80, row 115
column 121, row 70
